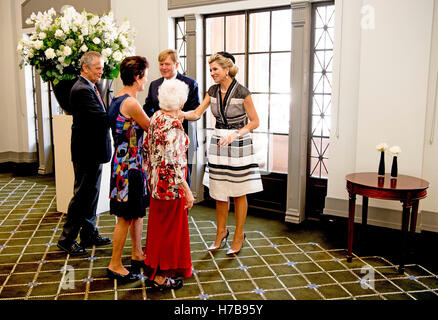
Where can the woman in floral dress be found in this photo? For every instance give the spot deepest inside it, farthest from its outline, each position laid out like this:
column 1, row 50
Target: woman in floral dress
column 167, row 249
column 128, row 192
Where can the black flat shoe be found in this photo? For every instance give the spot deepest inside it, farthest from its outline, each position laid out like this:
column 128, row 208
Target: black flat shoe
column 73, row 249
column 130, row 277
column 168, row 284
column 97, row 241
column 137, row 266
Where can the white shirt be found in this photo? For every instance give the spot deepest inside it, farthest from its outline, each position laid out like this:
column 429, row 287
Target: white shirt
column 174, row 77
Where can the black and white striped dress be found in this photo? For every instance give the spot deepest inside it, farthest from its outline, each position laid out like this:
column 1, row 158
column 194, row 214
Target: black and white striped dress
column 232, row 171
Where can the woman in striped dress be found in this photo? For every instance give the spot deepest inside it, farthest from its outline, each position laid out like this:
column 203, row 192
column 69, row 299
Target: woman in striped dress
column 232, row 170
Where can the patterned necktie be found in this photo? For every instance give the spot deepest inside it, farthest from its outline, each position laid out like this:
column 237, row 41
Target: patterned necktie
column 98, row 95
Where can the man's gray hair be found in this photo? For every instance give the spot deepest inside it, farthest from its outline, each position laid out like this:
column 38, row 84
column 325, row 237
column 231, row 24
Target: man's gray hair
column 172, row 94
column 87, row 58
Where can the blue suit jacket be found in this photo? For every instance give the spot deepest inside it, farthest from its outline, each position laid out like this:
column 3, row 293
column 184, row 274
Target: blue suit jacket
column 90, row 135
column 152, row 104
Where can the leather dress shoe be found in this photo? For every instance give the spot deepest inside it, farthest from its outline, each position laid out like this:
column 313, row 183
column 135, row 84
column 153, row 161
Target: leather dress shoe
column 137, row 265
column 73, row 249
column 97, row 240
column 130, row 277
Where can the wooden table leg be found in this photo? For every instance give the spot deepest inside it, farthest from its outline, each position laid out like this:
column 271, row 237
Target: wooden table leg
column 405, row 222
column 364, row 221
column 351, row 209
column 414, row 214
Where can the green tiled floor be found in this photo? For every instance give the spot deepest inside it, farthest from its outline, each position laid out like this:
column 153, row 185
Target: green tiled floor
column 274, row 264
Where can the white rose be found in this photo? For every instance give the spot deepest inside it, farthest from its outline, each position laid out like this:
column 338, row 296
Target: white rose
column 28, row 21
column 59, row 33
column 66, row 51
column 395, row 150
column 70, row 42
column 117, row 56
column 382, row 146
column 50, row 53
column 42, row 35
column 96, row 40
column 74, row 29
column 107, row 52
column 61, row 59
column 84, row 48
column 81, row 37
column 38, row 44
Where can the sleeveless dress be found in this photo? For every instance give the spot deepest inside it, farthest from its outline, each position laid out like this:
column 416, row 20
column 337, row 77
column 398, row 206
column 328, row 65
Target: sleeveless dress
column 231, row 171
column 128, row 184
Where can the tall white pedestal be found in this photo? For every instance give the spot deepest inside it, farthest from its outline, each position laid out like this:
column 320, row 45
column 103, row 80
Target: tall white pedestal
column 64, row 174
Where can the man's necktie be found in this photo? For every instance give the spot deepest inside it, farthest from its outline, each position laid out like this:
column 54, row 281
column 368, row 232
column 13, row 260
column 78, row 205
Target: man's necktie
column 98, row 95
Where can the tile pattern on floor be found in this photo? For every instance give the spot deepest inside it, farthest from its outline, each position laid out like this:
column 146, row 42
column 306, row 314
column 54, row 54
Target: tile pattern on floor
column 267, row 268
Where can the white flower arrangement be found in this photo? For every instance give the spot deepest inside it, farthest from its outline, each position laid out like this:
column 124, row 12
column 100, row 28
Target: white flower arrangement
column 57, row 43
column 382, row 147
column 395, row 150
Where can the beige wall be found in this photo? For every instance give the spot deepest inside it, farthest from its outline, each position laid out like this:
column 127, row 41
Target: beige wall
column 149, row 18
column 381, row 87
column 29, row 6
column 16, row 128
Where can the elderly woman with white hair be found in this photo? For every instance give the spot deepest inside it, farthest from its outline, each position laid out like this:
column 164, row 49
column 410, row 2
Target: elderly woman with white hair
column 167, row 251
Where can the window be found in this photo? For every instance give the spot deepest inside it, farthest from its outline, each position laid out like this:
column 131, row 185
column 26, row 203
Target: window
column 321, row 84
column 181, row 44
column 260, row 40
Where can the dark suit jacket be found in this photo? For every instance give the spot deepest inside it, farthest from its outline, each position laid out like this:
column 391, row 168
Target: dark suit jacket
column 152, row 104
column 90, row 135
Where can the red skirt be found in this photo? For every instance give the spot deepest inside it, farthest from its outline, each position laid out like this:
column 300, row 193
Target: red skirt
column 167, row 250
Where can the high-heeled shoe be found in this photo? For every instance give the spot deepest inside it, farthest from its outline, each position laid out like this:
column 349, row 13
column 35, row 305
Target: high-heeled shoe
column 213, row 247
column 231, row 251
column 130, row 277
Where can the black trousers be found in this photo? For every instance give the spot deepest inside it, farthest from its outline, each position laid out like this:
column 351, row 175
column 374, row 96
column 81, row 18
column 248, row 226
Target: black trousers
column 81, row 213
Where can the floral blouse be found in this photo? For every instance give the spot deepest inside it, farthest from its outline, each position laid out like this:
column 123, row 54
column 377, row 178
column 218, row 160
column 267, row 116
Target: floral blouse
column 165, row 150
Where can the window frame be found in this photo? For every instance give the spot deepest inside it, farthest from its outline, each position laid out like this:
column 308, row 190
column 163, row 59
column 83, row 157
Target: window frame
column 322, row 154
column 246, row 54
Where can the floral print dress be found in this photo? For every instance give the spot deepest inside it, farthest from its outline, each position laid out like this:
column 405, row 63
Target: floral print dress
column 128, row 186
column 165, row 153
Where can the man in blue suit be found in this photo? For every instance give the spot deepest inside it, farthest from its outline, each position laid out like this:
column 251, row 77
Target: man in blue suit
column 168, row 61
column 90, row 148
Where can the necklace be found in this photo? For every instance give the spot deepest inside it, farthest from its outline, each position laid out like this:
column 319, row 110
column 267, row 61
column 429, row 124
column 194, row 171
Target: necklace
column 223, row 91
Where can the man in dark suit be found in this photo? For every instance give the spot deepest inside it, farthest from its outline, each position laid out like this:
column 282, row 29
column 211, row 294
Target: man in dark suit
column 90, row 148
column 168, row 62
